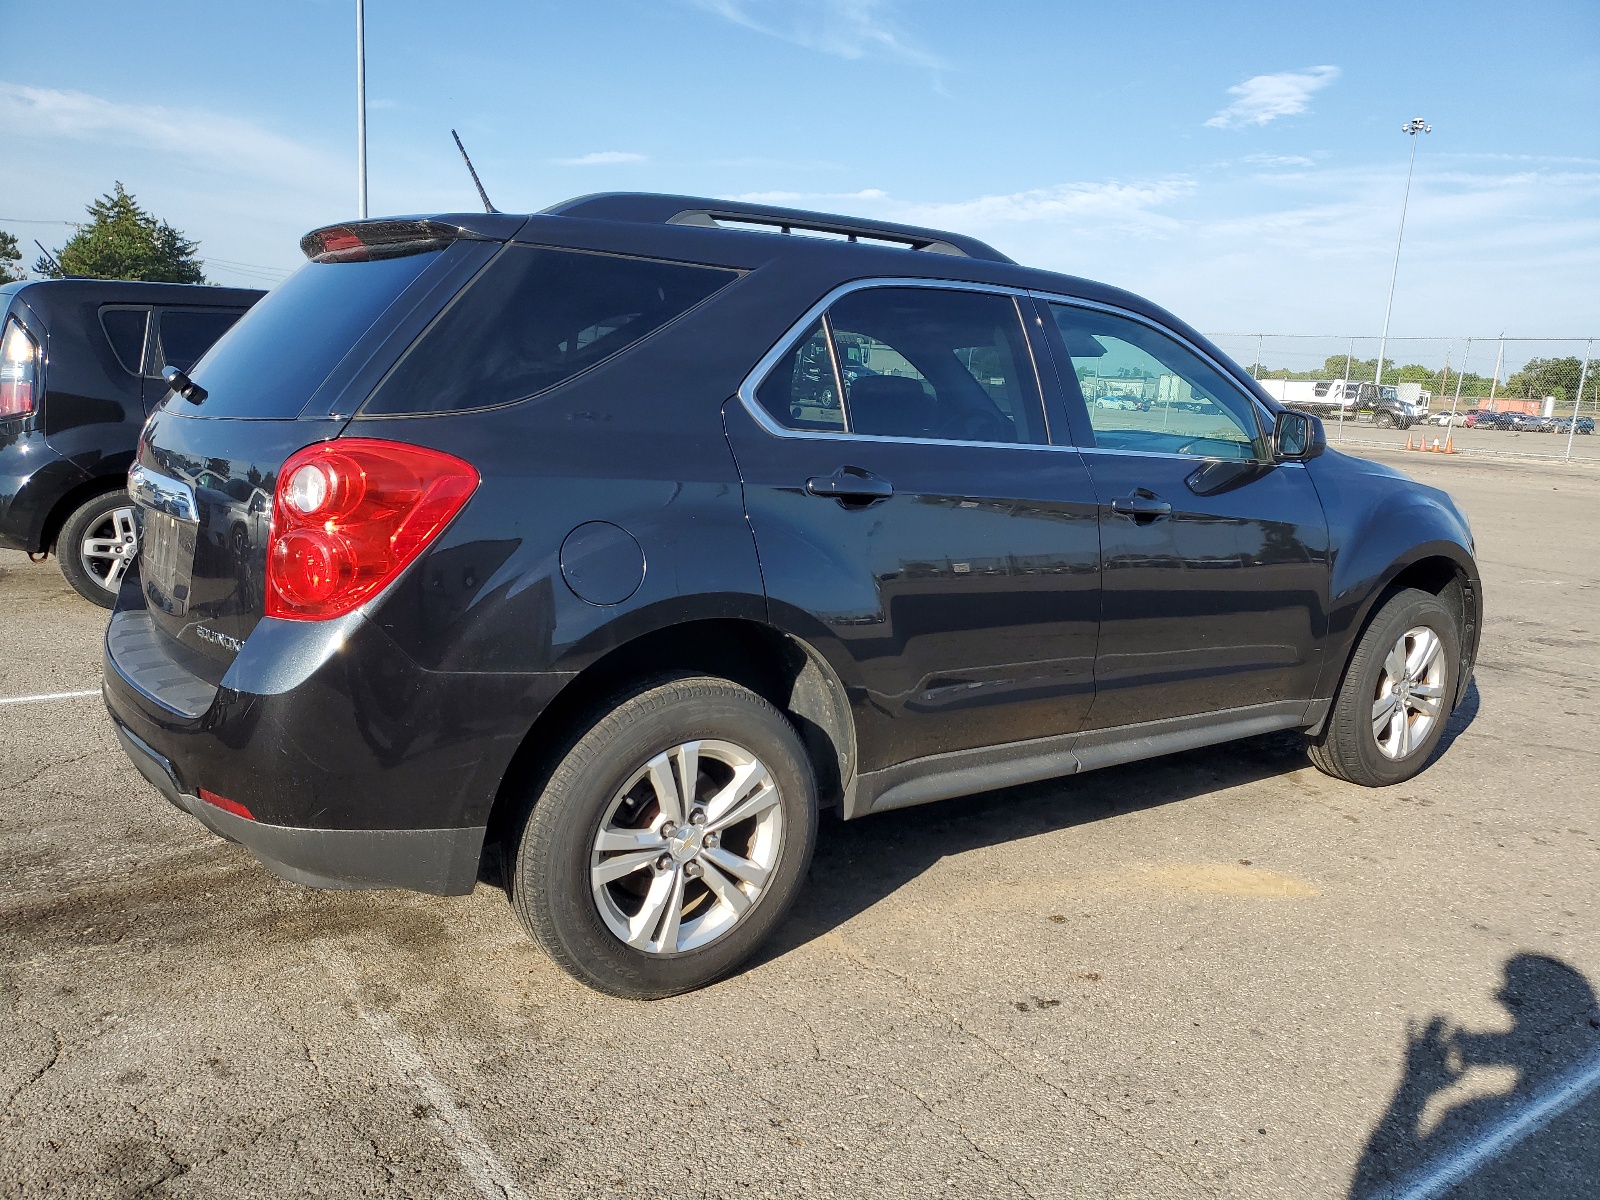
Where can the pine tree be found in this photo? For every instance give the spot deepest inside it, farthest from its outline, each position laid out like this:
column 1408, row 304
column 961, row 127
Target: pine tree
column 122, row 241
column 10, row 256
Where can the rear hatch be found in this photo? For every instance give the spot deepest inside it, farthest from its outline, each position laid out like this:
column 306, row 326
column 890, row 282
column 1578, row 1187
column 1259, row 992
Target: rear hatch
column 289, row 374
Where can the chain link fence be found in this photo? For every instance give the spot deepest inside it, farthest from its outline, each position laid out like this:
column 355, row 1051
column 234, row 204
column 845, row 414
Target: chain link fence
column 1519, row 396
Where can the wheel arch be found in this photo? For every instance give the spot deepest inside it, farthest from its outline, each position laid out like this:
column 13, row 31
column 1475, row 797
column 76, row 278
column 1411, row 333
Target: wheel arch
column 1442, row 569
column 785, row 670
column 70, row 501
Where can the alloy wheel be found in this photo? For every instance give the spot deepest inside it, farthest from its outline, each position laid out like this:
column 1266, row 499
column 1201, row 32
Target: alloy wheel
column 686, row 847
column 1410, row 692
column 109, row 546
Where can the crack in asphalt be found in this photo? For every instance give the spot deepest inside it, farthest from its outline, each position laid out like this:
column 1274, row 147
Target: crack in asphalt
column 58, row 1048
column 50, row 766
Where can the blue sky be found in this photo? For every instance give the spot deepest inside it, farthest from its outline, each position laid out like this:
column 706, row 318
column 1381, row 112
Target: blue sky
column 1240, row 163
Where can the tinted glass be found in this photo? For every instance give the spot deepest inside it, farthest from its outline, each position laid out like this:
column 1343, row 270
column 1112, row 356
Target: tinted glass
column 920, row 362
column 271, row 363
column 801, row 391
column 185, row 336
column 535, row 318
column 1145, row 391
column 125, row 330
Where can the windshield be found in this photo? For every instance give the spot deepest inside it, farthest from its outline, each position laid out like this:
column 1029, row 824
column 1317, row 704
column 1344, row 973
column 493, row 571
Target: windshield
column 275, row 358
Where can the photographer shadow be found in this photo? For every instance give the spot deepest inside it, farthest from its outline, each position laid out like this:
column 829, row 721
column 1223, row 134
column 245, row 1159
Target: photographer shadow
column 1497, row 1145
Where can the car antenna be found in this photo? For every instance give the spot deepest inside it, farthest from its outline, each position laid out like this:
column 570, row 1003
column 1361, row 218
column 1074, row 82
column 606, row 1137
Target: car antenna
column 478, row 183
column 53, row 260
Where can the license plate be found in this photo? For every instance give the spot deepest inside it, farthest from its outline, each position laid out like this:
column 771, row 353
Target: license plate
column 166, row 561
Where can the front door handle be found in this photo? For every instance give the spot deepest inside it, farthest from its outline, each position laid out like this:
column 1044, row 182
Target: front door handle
column 851, row 485
column 1143, row 506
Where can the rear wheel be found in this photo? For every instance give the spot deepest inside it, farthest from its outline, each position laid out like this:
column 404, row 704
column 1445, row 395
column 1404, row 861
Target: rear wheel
column 98, row 543
column 669, row 841
column 1396, row 696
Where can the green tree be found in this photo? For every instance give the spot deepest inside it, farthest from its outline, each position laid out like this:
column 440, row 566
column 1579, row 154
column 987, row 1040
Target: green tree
column 122, row 241
column 1540, row 377
column 10, row 255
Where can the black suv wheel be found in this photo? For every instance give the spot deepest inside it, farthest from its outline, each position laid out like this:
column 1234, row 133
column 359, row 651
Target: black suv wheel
column 98, row 543
column 1391, row 709
column 669, row 841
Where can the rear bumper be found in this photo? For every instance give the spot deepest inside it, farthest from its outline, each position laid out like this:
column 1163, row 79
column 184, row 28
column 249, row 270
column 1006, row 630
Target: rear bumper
column 441, row 861
column 357, row 767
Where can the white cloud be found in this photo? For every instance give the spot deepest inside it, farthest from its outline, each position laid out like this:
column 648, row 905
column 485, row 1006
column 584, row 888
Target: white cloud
column 1125, row 206
column 196, row 138
column 1263, row 98
column 602, row 158
column 245, row 192
column 1279, row 160
column 846, row 28
column 1305, row 250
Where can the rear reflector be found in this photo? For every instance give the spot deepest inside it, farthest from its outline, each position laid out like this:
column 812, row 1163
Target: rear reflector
column 349, row 515
column 226, row 805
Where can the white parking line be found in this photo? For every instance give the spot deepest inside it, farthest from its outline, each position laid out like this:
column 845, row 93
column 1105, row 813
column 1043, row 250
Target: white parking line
column 44, row 696
column 1444, row 1175
column 489, row 1175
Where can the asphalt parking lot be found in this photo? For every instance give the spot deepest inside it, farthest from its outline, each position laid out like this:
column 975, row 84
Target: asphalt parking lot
column 1217, row 974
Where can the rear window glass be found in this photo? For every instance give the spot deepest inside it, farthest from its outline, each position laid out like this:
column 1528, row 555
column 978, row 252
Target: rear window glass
column 534, row 318
column 125, row 331
column 185, row 336
column 271, row 363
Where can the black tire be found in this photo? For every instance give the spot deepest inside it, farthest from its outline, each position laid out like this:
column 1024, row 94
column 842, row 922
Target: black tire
column 1348, row 746
column 1383, row 420
column 548, row 875
column 97, row 519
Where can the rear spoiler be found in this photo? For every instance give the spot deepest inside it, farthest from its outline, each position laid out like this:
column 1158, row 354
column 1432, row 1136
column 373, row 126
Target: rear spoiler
column 396, row 237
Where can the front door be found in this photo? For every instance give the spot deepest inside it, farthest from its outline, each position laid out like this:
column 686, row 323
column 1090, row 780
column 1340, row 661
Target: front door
column 914, row 524
column 1215, row 557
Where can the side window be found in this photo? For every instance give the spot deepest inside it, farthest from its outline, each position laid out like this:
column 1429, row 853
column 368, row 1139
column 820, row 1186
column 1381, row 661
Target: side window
column 802, row 391
column 186, row 334
column 125, row 330
column 534, row 318
column 1145, row 391
column 933, row 363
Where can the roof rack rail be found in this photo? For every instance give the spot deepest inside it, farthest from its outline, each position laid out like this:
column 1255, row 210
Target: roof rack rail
column 653, row 209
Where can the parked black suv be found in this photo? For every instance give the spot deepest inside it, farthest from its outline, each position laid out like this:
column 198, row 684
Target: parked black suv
column 80, row 367
column 609, row 544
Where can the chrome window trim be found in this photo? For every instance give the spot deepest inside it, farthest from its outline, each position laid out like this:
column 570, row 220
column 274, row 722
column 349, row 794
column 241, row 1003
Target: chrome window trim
column 792, row 336
column 1257, row 409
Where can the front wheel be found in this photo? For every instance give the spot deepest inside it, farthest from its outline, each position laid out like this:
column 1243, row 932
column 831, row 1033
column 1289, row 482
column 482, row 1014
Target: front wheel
column 1396, row 696
column 97, row 545
column 1383, row 420
column 670, row 840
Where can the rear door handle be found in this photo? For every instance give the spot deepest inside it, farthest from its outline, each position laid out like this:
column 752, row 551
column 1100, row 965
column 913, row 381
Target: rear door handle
column 1143, row 506
column 851, row 485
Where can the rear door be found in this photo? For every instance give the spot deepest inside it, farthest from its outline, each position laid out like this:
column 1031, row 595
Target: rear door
column 1215, row 556
column 914, row 523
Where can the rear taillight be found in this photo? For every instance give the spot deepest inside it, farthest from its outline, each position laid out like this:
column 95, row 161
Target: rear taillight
column 350, row 515
column 19, row 371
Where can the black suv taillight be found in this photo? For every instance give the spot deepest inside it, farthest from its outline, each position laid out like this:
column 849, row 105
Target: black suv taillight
column 19, row 371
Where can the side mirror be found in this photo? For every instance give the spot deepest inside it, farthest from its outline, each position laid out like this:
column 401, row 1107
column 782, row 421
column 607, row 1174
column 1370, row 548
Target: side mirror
column 1298, row 436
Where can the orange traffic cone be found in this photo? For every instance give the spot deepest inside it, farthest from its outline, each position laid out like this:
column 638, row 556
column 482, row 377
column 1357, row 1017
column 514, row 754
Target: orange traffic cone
column 1408, row 444
column 1450, row 442
column 1437, row 447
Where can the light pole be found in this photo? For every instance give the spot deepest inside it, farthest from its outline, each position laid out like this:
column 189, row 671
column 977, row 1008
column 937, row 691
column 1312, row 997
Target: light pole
column 361, row 111
column 1412, row 127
